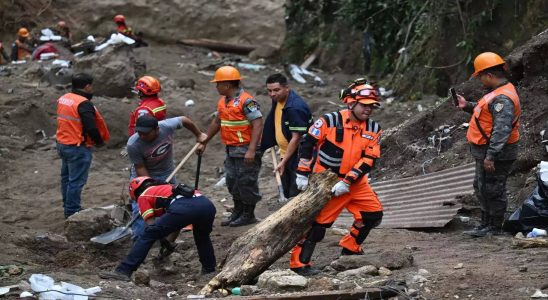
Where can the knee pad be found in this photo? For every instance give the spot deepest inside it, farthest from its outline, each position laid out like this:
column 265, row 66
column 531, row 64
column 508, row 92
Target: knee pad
column 317, row 232
column 371, row 219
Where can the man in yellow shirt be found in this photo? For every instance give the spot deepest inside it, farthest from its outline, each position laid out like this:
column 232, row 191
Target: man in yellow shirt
column 286, row 123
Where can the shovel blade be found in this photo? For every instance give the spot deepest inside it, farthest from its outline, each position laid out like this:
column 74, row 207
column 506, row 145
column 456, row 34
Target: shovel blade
column 111, row 236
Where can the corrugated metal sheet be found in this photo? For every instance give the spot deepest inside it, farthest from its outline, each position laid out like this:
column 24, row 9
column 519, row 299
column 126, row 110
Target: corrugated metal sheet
column 421, row 201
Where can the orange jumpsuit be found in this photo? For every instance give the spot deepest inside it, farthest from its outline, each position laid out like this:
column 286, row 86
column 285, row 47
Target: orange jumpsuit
column 348, row 148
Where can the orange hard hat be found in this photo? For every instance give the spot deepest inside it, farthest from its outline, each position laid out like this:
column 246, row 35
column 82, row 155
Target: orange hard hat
column 62, row 24
column 361, row 91
column 119, row 18
column 136, row 183
column 23, row 32
column 226, row 73
column 148, row 85
column 485, row 61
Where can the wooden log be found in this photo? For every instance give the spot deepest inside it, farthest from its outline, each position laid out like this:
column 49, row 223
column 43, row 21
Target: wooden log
column 218, row 45
column 530, row 242
column 257, row 249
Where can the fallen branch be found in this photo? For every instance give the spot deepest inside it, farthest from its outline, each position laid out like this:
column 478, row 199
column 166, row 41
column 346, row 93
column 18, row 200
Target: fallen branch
column 218, row 45
column 257, row 249
column 530, row 242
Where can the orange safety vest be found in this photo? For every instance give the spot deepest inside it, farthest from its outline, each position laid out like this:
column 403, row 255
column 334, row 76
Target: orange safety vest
column 155, row 107
column 481, row 122
column 69, row 124
column 22, row 53
column 349, row 155
column 235, row 127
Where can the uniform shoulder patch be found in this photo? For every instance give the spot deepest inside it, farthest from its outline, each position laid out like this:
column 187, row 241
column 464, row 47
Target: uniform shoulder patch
column 318, row 123
column 499, row 107
column 252, row 105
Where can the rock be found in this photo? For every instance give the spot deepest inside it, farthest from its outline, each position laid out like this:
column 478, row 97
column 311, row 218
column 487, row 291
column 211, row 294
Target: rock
column 348, row 262
column 282, row 280
column 329, row 270
column 187, row 83
column 339, row 231
column 412, row 293
column 88, row 223
column 113, row 70
column 395, row 260
column 361, row 272
column 141, row 277
column 248, row 290
column 523, row 269
column 418, row 279
column 423, row 272
column 463, row 286
column 384, row 271
column 321, row 284
column 263, row 51
column 15, row 270
column 458, row 266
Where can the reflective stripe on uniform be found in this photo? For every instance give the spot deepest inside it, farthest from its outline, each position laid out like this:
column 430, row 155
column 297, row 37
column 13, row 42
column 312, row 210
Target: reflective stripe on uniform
column 240, row 138
column 68, row 118
column 147, row 212
column 234, row 123
column 298, row 128
column 157, row 109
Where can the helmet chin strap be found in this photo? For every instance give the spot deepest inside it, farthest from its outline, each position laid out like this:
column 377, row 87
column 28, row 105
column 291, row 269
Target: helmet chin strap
column 351, row 107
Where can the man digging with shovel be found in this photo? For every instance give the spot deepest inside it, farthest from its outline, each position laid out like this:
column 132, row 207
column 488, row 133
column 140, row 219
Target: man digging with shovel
column 167, row 208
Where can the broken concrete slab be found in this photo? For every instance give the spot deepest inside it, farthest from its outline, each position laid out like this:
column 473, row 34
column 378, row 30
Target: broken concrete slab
column 282, row 280
column 88, row 223
column 362, row 272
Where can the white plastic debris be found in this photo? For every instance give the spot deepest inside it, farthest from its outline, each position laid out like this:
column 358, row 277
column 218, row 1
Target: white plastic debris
column 221, row 182
column 62, row 63
column 189, row 103
column 539, row 294
column 115, row 38
column 46, row 56
column 90, row 38
column 252, row 67
column 420, row 108
column 48, row 290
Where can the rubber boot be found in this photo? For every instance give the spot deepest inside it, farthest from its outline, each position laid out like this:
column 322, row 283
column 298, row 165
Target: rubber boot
column 247, row 217
column 236, row 213
column 479, row 230
column 345, row 252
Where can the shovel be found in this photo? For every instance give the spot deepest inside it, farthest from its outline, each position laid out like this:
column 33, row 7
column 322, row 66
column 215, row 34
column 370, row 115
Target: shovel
column 278, row 177
column 121, row 232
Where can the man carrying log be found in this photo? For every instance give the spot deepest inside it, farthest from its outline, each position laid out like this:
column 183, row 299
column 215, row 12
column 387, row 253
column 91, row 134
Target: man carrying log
column 347, row 142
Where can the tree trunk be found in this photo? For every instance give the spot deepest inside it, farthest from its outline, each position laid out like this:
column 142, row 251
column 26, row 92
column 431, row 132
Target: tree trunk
column 219, row 46
column 257, row 249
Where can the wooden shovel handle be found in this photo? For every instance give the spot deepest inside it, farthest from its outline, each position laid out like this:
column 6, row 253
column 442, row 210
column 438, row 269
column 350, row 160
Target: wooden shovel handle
column 275, row 164
column 183, row 161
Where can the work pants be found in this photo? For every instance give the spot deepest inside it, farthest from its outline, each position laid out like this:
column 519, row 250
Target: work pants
column 75, row 164
column 198, row 211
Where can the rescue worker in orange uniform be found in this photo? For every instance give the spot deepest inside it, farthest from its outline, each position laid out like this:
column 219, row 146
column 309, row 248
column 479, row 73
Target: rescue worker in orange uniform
column 346, row 142
column 241, row 123
column 148, row 88
column 166, row 209
column 493, row 134
column 22, row 47
column 80, row 126
column 122, row 28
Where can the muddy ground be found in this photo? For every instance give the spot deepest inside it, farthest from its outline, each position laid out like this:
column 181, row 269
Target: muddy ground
column 32, row 218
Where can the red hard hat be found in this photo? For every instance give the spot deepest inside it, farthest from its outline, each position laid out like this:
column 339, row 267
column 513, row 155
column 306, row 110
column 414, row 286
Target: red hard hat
column 136, row 183
column 119, row 19
column 148, row 85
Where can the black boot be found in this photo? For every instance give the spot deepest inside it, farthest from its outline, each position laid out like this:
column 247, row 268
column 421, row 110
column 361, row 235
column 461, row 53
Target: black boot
column 236, row 213
column 247, row 217
column 481, row 227
column 306, row 271
column 345, row 252
column 494, row 227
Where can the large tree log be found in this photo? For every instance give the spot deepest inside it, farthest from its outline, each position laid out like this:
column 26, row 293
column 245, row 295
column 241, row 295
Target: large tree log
column 257, row 249
column 219, row 46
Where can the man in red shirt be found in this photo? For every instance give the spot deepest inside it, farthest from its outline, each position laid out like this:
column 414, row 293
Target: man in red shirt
column 166, row 209
column 148, row 88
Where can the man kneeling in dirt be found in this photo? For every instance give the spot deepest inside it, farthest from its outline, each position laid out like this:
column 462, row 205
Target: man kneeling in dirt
column 167, row 208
